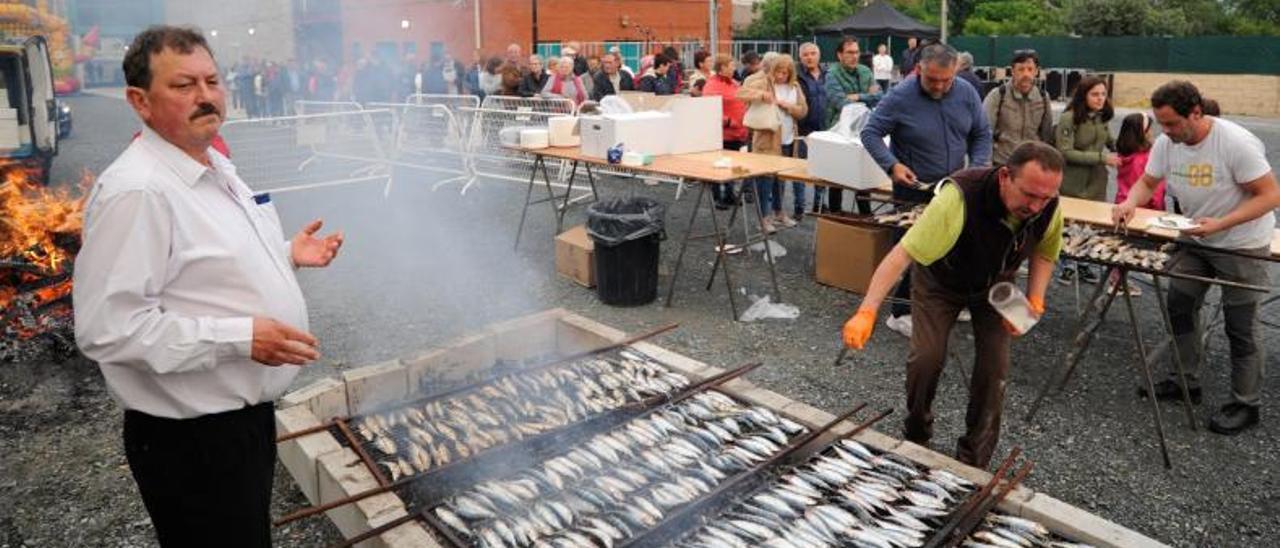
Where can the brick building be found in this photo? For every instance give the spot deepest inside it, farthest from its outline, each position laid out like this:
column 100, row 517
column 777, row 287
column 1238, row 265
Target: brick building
column 398, row 27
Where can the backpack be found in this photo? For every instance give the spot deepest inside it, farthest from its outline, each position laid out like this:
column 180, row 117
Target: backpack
column 1048, row 111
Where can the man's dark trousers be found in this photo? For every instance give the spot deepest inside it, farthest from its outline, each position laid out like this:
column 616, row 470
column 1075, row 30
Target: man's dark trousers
column 933, row 316
column 205, row 481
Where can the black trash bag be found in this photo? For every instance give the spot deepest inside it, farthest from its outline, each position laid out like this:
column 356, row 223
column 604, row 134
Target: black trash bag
column 616, row 221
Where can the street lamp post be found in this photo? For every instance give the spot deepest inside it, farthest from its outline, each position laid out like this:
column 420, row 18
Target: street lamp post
column 786, row 19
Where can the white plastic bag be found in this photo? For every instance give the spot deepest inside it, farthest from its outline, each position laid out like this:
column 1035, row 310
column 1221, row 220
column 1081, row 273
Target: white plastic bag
column 775, row 250
column 852, row 118
column 762, row 309
column 612, row 104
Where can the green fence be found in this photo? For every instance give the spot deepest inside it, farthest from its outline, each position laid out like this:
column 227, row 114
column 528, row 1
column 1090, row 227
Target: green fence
column 1201, row 55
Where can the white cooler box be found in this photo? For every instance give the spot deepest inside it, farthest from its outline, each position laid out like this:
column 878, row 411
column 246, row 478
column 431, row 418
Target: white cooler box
column 843, row 161
column 647, row 132
column 564, row 131
column 697, row 121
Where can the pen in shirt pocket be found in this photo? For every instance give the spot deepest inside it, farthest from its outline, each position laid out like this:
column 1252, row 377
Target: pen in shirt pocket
column 260, row 199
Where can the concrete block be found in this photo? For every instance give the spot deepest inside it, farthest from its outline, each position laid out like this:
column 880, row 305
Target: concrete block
column 407, row 535
column 424, row 370
column 677, row 363
column 576, row 334
column 762, row 397
column 529, row 337
column 300, row 455
column 341, row 474
column 1081, row 526
column 338, row 479
column 877, row 440
column 933, row 459
column 807, row 414
column 376, row 385
column 466, row 359
column 327, row 398
column 736, row 386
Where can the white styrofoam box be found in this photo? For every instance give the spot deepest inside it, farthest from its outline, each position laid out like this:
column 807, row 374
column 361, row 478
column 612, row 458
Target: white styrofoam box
column 510, row 136
column 639, row 131
column 698, row 124
column 843, row 161
column 563, row 130
column 698, row 121
column 534, row 138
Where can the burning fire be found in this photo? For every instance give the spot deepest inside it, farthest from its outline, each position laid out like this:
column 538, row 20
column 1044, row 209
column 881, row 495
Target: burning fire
column 31, row 216
column 39, row 236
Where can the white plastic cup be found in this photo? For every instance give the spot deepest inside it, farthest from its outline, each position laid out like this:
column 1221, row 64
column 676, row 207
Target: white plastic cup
column 1012, row 305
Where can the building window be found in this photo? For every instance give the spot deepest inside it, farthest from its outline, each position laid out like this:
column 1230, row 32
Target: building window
column 548, row 49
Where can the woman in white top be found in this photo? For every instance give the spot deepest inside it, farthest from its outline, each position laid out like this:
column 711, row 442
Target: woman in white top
column 775, row 84
column 882, row 67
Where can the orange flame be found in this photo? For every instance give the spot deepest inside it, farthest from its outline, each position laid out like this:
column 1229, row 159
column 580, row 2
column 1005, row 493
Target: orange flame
column 32, row 215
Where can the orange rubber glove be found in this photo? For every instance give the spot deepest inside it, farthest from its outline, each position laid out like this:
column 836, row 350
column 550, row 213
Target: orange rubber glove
column 1037, row 306
column 858, row 329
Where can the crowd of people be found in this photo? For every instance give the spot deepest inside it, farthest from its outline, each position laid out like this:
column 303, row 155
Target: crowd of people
column 931, row 122
column 989, row 168
column 264, row 88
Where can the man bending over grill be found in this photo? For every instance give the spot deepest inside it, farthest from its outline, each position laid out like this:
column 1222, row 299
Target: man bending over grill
column 1218, row 171
column 977, row 231
column 186, row 297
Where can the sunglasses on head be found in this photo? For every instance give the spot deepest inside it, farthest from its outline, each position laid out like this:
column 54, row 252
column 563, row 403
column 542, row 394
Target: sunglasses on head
column 1020, row 55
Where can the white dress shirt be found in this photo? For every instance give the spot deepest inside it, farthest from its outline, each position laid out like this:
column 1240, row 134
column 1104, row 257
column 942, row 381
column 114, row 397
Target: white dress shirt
column 177, row 258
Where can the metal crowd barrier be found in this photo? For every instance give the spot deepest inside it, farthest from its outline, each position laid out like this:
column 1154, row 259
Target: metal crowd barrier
column 336, row 142
column 311, row 150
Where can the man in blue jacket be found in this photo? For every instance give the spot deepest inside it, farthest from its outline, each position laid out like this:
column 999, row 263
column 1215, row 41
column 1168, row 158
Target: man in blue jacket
column 813, row 80
column 934, row 122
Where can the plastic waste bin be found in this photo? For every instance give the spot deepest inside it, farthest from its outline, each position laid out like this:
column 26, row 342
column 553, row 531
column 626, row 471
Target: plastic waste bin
column 627, row 236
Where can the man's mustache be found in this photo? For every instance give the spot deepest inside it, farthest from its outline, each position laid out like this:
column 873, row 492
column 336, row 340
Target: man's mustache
column 205, row 109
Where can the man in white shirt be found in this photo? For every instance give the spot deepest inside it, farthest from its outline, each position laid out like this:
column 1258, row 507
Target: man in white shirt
column 1218, row 171
column 185, row 295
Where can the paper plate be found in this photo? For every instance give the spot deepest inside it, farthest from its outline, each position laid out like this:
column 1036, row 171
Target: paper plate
column 1173, row 222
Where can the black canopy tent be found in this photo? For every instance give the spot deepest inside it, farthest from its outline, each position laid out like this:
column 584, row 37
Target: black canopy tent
column 878, row 19
column 873, row 24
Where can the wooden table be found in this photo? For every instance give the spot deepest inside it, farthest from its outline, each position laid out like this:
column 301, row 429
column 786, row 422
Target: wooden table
column 1099, row 214
column 695, row 167
column 801, row 175
column 1073, row 209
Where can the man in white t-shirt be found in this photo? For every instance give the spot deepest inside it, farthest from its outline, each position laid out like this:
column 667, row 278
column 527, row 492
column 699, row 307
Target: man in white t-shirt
column 1218, row 171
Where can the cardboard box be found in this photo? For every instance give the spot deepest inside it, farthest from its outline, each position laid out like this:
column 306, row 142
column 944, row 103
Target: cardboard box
column 638, row 131
column 843, row 161
column 576, row 257
column 848, row 254
column 696, row 121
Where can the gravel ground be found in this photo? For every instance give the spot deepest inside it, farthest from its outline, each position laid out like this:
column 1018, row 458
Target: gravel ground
column 421, row 268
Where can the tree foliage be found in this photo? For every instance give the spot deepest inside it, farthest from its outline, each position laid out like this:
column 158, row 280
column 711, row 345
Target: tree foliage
column 1015, row 17
column 1099, row 17
column 1108, row 17
column 805, row 15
